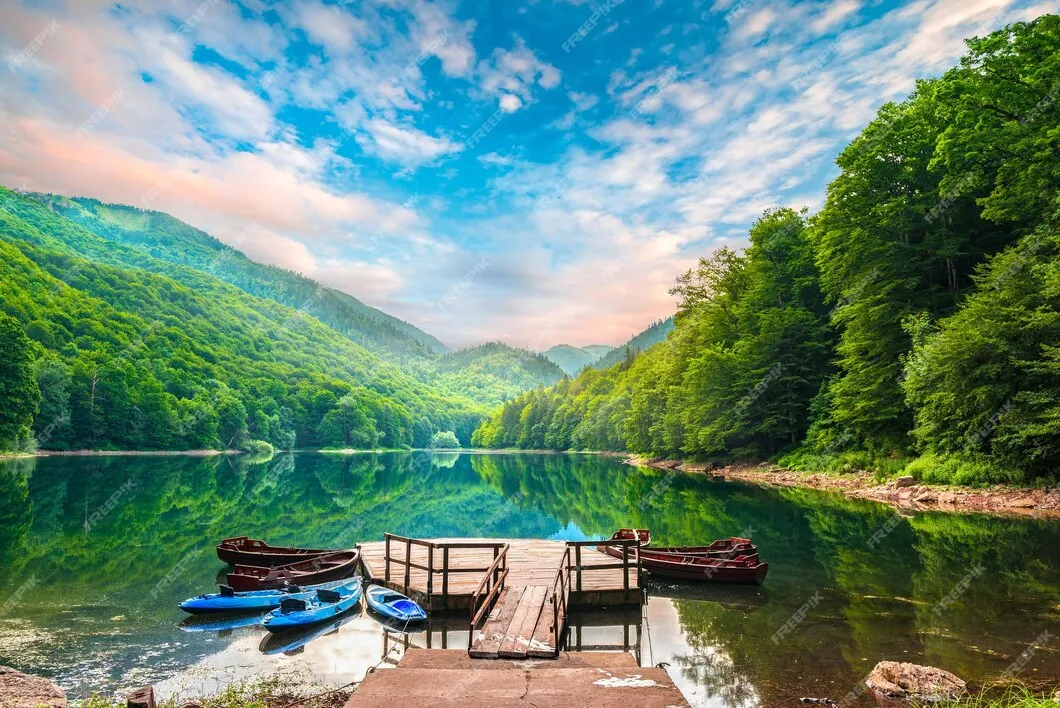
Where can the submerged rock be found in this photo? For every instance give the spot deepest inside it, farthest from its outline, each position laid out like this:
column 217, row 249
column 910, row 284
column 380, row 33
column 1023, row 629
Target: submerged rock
column 19, row 690
column 891, row 679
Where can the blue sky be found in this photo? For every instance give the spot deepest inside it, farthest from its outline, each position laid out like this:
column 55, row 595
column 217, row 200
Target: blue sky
column 531, row 171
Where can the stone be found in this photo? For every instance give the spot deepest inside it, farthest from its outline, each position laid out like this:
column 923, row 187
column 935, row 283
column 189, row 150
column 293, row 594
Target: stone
column 19, row 690
column 948, row 498
column 904, row 481
column 926, row 497
column 141, row 698
column 912, row 681
column 191, row 704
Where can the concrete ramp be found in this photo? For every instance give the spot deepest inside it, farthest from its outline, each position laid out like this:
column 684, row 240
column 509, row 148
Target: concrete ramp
column 451, row 679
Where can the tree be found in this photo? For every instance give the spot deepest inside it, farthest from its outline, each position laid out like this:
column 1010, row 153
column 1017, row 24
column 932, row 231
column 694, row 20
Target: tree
column 19, row 392
column 348, row 425
column 51, row 427
column 444, row 439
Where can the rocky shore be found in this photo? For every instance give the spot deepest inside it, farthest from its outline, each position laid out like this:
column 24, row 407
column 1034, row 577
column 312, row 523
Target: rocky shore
column 901, row 492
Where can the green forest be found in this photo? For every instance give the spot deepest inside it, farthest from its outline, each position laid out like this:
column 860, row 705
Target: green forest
column 129, row 330
column 911, row 325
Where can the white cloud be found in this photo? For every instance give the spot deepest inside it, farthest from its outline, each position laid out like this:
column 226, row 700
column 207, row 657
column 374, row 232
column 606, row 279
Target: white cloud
column 511, row 76
column 405, row 145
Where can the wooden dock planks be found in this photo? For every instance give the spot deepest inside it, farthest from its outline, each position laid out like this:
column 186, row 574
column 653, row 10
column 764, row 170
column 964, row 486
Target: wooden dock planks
column 494, row 631
column 519, row 636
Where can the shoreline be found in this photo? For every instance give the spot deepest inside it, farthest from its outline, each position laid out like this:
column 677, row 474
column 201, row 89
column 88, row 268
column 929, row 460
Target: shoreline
column 902, row 493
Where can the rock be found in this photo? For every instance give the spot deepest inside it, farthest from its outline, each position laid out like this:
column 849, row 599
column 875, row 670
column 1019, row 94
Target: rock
column 1022, row 503
column 19, row 690
column 141, row 698
column 904, row 481
column 191, row 704
column 902, row 680
column 926, row 497
column 948, row 498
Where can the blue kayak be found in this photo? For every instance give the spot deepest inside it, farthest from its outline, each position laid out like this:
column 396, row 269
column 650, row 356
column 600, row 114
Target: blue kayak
column 220, row 622
column 393, row 605
column 323, row 606
column 286, row 642
column 251, row 601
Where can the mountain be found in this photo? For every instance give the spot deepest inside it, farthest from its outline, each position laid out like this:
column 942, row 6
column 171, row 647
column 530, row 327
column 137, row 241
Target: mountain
column 574, row 359
column 135, row 352
column 168, row 239
column 652, row 335
column 494, row 372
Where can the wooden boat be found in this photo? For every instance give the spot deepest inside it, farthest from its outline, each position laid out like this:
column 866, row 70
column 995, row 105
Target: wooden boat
column 643, row 536
column 742, row 569
column 334, row 566
column 252, row 551
column 324, row 606
column 393, row 605
column 228, row 600
column 726, row 548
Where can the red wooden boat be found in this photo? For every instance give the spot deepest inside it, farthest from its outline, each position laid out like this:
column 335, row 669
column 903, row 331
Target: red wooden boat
column 722, row 548
column 251, row 551
column 643, row 536
column 334, row 566
column 742, row 569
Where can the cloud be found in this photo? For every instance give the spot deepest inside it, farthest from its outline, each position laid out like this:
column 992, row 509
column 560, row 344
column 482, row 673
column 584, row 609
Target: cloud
column 404, row 145
column 511, row 75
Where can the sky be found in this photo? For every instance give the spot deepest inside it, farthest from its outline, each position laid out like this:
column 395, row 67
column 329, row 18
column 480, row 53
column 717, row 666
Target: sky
column 531, row 171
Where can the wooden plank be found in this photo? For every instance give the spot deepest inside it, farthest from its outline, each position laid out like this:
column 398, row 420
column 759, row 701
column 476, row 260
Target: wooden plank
column 488, row 643
column 520, row 635
column 549, row 630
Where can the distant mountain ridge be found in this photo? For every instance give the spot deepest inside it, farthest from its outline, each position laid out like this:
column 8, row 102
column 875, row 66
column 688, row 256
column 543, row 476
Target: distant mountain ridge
column 654, row 334
column 169, row 239
column 495, row 372
column 573, row 359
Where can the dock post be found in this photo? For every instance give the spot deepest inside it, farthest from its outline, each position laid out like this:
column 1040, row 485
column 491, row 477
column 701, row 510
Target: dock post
column 430, row 572
column 386, row 560
column 625, row 567
column 578, row 565
column 408, row 562
column 445, row 576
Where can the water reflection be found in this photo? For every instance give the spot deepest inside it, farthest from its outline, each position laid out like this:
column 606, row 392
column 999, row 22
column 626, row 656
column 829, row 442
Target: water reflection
column 103, row 595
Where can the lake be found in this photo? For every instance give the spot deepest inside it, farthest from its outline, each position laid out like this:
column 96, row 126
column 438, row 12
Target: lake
column 95, row 553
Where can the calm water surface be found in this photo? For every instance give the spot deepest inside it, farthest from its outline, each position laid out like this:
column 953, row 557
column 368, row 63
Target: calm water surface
column 95, row 553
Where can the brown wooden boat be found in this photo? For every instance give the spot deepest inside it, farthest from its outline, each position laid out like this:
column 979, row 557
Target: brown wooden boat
column 739, row 569
column 722, row 548
column 643, row 536
column 742, row 569
column 321, row 569
column 251, row 551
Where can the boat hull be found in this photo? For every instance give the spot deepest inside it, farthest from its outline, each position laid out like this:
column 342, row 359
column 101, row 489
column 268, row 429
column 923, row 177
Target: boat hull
column 744, row 570
column 249, row 601
column 393, row 605
column 335, row 566
column 317, row 609
column 725, row 549
column 252, row 551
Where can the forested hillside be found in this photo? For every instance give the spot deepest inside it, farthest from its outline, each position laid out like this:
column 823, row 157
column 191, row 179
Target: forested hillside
column 913, row 323
column 574, row 359
column 124, row 351
column 654, row 334
column 495, row 372
column 168, row 239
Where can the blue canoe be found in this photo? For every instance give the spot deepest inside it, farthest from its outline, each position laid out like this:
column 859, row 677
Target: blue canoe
column 393, row 605
column 251, row 601
column 220, row 622
column 323, row 606
column 293, row 641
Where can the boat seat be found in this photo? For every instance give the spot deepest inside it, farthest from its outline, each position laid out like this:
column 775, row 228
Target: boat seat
column 328, row 596
column 292, row 604
column 227, row 591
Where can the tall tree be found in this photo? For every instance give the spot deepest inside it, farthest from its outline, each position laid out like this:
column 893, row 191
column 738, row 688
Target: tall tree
column 19, row 391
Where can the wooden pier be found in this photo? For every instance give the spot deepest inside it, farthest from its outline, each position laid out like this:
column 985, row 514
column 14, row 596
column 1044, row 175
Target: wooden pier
column 518, row 591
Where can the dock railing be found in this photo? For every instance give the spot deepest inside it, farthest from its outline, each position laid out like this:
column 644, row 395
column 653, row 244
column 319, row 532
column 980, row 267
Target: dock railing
column 629, row 561
column 560, row 594
column 492, row 583
column 405, row 564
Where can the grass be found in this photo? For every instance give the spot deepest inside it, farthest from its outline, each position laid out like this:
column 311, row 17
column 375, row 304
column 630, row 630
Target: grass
column 1014, row 697
column 260, row 693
